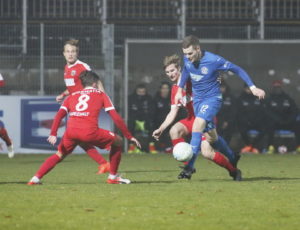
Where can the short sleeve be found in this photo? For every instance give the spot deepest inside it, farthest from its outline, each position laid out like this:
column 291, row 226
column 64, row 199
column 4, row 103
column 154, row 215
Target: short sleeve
column 107, row 103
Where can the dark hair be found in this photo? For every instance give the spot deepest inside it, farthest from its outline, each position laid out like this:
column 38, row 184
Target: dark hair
column 88, row 78
column 165, row 83
column 190, row 40
column 141, row 86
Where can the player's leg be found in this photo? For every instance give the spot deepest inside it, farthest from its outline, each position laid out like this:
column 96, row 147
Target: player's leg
column 8, row 142
column 217, row 142
column 178, row 132
column 209, row 153
column 65, row 147
column 197, row 130
column 96, row 156
column 115, row 159
column 105, row 139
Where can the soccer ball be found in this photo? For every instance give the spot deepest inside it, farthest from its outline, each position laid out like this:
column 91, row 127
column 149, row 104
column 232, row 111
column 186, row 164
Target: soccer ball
column 183, row 151
column 282, row 149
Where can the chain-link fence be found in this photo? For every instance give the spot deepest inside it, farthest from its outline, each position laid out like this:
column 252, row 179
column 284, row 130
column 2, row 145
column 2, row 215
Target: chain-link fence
column 22, row 71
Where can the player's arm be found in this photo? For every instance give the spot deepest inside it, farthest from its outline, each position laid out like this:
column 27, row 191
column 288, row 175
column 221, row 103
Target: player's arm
column 183, row 80
column 61, row 96
column 117, row 119
column 62, row 112
column 166, row 123
column 229, row 66
column 2, row 83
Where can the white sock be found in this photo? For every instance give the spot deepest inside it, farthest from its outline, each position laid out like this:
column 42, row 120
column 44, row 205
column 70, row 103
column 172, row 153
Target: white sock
column 112, row 177
column 35, row 179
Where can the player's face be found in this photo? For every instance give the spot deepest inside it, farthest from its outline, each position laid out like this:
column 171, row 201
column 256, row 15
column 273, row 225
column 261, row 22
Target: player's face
column 172, row 72
column 192, row 53
column 70, row 54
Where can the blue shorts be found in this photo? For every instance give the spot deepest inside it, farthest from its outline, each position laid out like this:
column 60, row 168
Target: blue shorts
column 208, row 108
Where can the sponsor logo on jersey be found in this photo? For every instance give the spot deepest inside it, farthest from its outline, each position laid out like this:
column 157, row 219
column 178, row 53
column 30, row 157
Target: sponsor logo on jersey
column 226, row 64
column 73, row 72
column 204, row 70
column 69, row 81
column 196, row 77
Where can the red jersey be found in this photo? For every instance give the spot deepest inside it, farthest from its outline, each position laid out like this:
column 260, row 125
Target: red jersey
column 84, row 107
column 72, row 73
column 1, row 81
column 187, row 100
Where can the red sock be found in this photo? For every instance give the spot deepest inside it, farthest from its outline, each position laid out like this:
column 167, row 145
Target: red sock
column 49, row 164
column 115, row 158
column 4, row 136
column 178, row 140
column 94, row 154
column 220, row 159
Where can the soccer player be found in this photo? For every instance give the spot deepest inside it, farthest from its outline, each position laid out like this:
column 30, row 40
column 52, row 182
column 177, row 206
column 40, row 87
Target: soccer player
column 202, row 68
column 183, row 128
column 73, row 69
column 4, row 136
column 83, row 108
column 3, row 132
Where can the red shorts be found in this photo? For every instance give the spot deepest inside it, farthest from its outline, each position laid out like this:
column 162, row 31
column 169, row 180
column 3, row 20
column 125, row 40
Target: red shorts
column 101, row 138
column 188, row 123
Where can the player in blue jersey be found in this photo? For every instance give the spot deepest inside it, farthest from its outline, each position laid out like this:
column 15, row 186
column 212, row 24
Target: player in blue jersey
column 203, row 68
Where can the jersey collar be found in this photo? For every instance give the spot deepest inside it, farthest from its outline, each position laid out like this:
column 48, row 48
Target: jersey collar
column 75, row 63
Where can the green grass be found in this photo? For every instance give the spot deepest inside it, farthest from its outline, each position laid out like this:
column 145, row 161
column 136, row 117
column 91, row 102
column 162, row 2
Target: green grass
column 74, row 197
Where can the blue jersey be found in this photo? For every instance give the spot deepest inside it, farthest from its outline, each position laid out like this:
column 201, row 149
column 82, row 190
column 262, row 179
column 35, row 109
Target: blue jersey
column 204, row 76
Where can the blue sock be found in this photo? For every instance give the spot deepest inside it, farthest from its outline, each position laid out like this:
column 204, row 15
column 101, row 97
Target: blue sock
column 222, row 146
column 195, row 143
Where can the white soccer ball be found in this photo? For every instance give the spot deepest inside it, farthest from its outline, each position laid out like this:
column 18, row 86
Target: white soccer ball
column 183, row 151
column 282, row 149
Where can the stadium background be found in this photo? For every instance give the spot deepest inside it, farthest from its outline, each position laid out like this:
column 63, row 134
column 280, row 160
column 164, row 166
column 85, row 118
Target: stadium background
column 260, row 35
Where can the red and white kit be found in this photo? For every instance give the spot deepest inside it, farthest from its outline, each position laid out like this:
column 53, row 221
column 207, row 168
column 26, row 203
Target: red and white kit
column 83, row 108
column 187, row 102
column 72, row 73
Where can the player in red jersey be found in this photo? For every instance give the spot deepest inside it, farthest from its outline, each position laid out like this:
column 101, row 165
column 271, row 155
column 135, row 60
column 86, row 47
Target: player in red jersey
column 73, row 69
column 183, row 128
column 83, row 108
column 3, row 132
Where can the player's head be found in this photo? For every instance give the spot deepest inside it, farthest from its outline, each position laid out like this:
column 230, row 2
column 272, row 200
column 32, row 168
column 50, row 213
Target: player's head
column 172, row 67
column 191, row 48
column 71, row 51
column 89, row 79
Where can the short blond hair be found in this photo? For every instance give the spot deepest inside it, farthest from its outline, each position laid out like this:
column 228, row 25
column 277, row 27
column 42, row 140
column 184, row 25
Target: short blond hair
column 173, row 59
column 73, row 42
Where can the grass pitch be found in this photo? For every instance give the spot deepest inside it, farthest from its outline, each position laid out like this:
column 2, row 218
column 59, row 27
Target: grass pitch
column 74, row 197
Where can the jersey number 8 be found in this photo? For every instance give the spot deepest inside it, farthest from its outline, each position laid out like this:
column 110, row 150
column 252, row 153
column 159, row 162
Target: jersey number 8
column 82, row 102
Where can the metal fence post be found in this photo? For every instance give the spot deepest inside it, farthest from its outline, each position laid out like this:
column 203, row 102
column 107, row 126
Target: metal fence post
column 42, row 53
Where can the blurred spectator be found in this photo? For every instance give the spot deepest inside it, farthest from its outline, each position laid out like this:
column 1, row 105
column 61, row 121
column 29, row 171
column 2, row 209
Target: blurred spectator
column 250, row 116
column 161, row 110
column 226, row 116
column 281, row 113
column 140, row 118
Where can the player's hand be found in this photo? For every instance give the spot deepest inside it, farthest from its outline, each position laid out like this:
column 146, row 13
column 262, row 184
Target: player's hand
column 156, row 134
column 52, row 140
column 136, row 142
column 178, row 96
column 60, row 98
column 258, row 93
